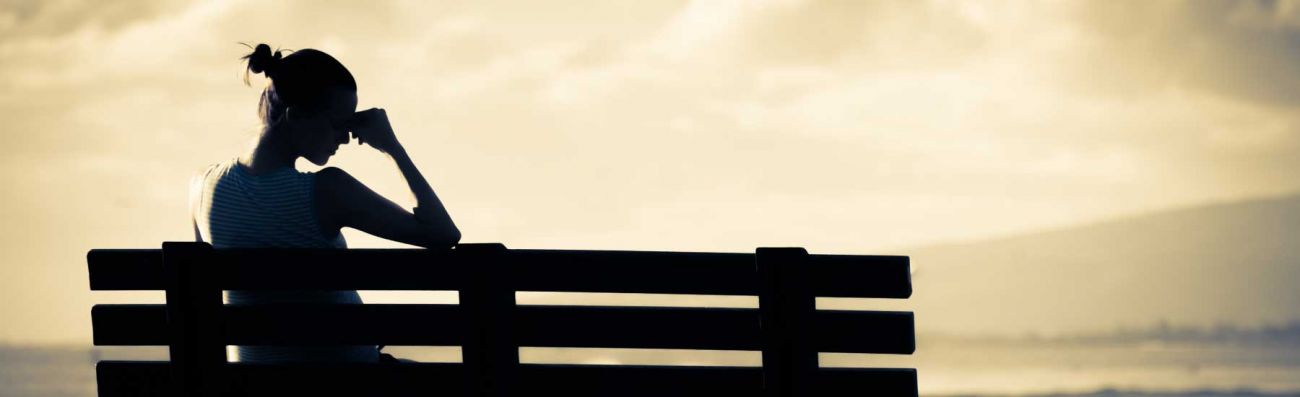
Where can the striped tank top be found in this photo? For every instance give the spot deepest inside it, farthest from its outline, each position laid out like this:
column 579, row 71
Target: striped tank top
column 236, row 209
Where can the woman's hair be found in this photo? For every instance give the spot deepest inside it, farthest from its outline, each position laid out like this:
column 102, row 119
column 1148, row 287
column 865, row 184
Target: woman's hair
column 303, row 79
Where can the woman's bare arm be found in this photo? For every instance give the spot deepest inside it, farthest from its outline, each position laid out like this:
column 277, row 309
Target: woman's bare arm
column 196, row 192
column 352, row 204
column 428, row 207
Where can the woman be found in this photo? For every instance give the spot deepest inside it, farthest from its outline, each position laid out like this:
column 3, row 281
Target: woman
column 259, row 199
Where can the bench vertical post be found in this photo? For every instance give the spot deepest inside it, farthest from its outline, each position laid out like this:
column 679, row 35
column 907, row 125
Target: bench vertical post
column 490, row 352
column 786, row 307
column 193, row 318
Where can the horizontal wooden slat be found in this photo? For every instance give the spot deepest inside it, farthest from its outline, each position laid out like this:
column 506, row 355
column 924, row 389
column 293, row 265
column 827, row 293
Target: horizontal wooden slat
column 428, row 325
column 125, row 269
column 705, row 328
column 124, row 378
column 340, row 269
column 647, row 380
column 851, row 331
column 865, row 382
column 638, row 327
column 542, row 326
column 860, row 276
column 289, row 268
column 290, row 324
column 129, row 325
column 633, row 272
column 530, row 270
column 150, row 378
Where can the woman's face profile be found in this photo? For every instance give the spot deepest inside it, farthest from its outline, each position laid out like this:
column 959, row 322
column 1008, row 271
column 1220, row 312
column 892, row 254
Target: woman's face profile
column 317, row 133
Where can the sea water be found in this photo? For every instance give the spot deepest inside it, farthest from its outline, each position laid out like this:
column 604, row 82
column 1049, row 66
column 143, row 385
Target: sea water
column 944, row 367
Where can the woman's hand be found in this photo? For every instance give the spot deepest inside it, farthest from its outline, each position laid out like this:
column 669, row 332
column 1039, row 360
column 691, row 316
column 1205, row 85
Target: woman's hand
column 371, row 125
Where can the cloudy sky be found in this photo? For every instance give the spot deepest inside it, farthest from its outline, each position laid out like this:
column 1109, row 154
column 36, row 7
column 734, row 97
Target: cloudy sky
column 844, row 127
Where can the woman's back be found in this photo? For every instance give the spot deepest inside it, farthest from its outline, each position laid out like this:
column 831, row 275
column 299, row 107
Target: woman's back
column 273, row 209
column 236, row 209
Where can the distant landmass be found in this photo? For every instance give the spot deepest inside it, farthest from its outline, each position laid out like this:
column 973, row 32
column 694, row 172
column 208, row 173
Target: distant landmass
column 1225, row 266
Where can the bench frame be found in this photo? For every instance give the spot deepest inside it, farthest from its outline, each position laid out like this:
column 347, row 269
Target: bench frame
column 487, row 276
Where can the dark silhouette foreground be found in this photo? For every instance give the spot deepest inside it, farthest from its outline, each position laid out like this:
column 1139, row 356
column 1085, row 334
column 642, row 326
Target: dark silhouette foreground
column 490, row 327
column 260, row 199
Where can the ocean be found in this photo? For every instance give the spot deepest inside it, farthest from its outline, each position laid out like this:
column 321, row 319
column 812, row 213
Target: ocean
column 944, row 367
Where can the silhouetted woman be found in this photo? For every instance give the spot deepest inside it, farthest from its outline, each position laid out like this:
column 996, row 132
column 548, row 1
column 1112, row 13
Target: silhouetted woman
column 259, row 199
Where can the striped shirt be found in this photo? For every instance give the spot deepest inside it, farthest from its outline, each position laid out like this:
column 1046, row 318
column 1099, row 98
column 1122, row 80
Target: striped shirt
column 237, row 209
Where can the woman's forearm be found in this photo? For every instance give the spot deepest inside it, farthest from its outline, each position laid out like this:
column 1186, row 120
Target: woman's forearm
column 427, row 201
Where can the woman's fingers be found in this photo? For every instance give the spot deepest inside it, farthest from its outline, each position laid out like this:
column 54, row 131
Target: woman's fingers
column 364, row 120
column 372, row 126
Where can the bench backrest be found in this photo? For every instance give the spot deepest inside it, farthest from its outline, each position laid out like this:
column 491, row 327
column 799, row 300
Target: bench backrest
column 490, row 328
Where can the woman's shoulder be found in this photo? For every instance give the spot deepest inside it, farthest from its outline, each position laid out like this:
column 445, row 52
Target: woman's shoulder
column 334, row 180
column 199, row 177
column 199, row 183
column 333, row 188
column 330, row 187
column 219, row 168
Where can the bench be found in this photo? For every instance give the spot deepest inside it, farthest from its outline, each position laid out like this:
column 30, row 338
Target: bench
column 489, row 326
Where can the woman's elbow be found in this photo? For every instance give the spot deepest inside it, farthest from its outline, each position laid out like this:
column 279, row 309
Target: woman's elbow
column 453, row 237
column 442, row 238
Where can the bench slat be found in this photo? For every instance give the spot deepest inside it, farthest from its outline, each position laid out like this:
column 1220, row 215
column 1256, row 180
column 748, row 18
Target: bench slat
column 531, row 270
column 150, row 378
column 114, row 269
column 536, row 325
column 860, row 276
column 284, row 269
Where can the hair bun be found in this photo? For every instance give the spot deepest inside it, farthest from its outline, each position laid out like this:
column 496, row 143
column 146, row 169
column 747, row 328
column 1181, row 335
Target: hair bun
column 263, row 61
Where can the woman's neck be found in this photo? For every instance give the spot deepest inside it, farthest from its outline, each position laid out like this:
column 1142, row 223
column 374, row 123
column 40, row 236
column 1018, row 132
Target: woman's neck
column 269, row 153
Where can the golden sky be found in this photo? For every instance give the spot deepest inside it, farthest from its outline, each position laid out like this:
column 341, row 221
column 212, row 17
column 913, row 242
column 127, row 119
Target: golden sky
column 844, row 127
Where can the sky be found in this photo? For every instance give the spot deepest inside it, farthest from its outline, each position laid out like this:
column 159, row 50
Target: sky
column 849, row 127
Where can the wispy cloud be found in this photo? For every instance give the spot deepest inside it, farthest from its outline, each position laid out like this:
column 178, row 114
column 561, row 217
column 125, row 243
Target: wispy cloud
column 709, row 125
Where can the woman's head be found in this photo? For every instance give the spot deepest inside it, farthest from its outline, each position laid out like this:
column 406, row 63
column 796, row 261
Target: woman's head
column 310, row 99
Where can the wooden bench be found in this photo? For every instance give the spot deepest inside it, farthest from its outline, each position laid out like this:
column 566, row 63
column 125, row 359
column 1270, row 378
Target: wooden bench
column 488, row 325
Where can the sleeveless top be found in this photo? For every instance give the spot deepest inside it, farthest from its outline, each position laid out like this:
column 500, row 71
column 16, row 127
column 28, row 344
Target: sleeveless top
column 237, row 209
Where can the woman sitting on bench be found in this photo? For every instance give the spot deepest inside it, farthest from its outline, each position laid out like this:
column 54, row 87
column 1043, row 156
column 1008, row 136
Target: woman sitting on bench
column 259, row 200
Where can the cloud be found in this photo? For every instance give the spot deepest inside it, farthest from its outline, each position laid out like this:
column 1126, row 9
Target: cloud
column 38, row 18
column 1243, row 49
column 707, row 125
